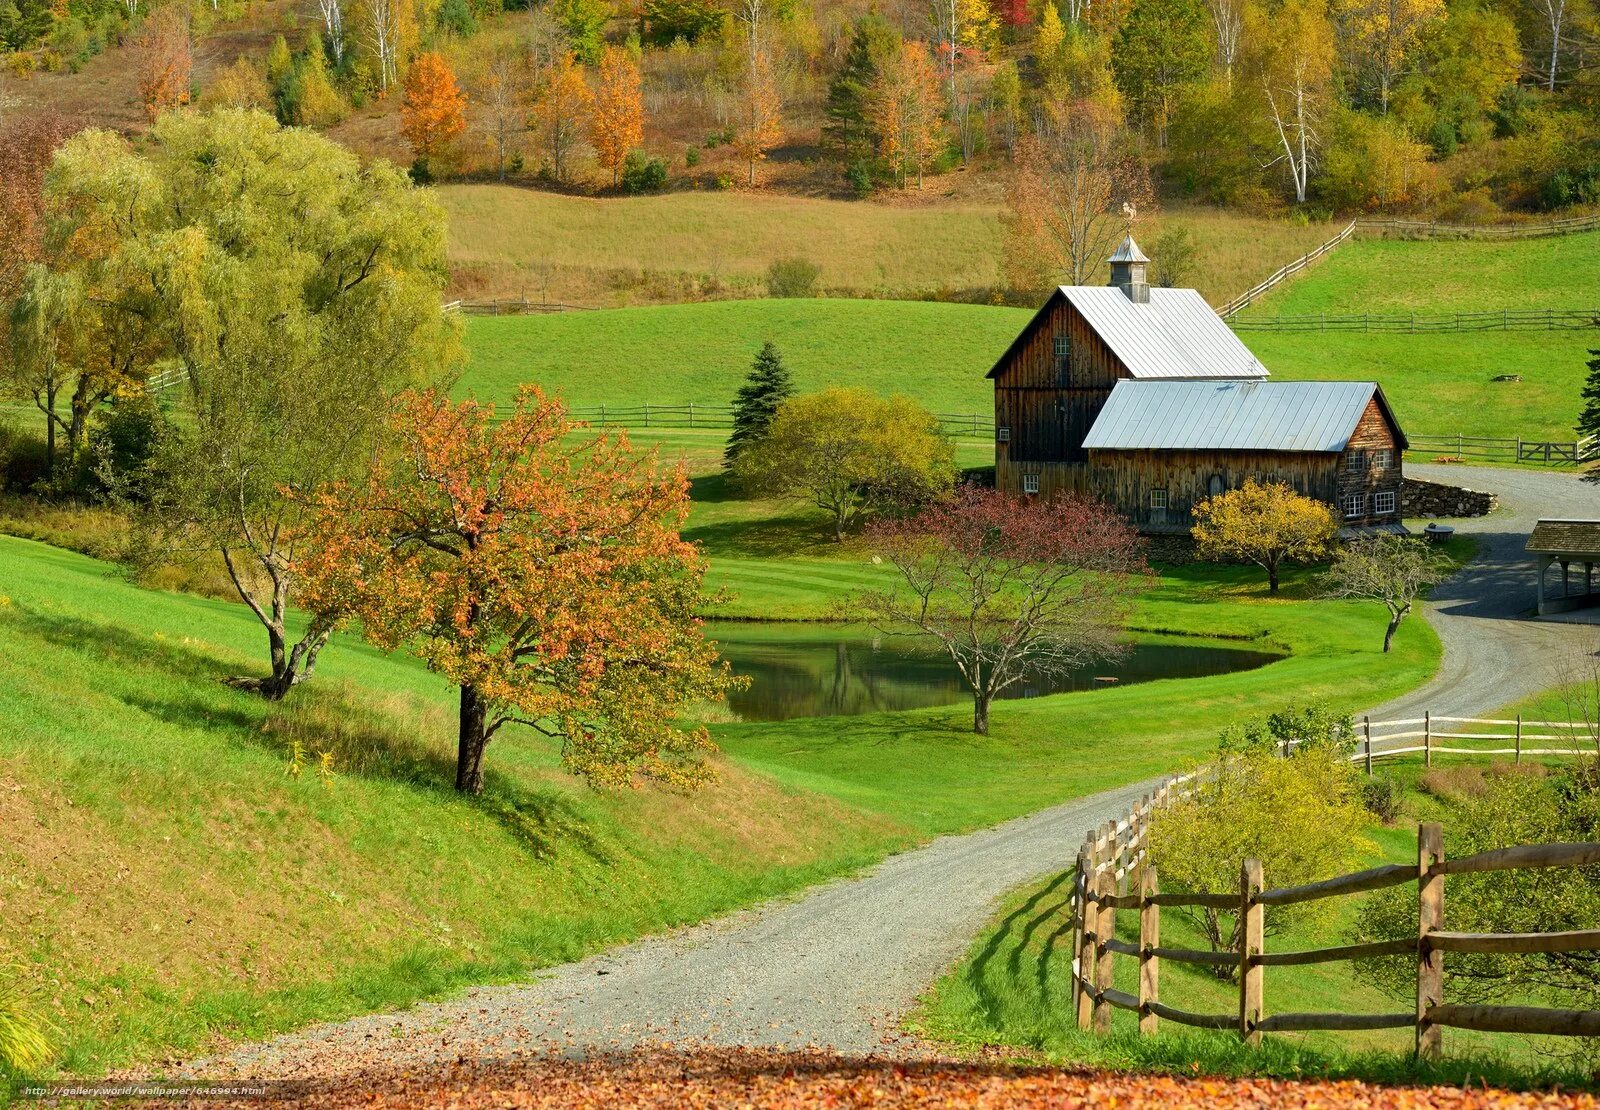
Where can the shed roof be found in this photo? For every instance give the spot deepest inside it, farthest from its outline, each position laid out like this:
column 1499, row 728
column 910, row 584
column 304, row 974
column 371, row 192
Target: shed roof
column 1565, row 537
column 1234, row 416
column 1175, row 335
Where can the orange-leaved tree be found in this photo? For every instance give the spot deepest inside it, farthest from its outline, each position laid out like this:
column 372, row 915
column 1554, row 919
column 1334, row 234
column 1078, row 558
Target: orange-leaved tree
column 1266, row 523
column 759, row 116
column 548, row 582
column 166, row 60
column 560, row 104
column 905, row 109
column 617, row 125
column 434, row 110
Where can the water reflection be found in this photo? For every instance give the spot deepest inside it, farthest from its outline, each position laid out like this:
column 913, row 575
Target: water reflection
column 832, row 670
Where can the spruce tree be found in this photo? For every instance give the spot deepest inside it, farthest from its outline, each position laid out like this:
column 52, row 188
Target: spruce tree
column 767, row 386
column 846, row 134
column 1589, row 420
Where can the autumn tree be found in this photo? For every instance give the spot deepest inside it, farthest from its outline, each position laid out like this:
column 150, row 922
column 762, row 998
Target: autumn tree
column 847, row 131
column 904, row 110
column 1160, row 51
column 166, row 60
column 434, row 110
column 386, row 30
column 1394, row 570
column 759, row 115
column 850, row 453
column 239, row 85
column 1065, row 200
column 547, row 582
column 499, row 99
column 1292, row 57
column 560, row 108
column 617, row 123
column 1008, row 587
column 1268, row 524
column 1228, row 18
column 1383, row 32
column 28, row 142
column 297, row 289
column 767, row 386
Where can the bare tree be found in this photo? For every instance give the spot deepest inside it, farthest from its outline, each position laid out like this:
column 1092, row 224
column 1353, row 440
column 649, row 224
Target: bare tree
column 1554, row 14
column 1392, row 569
column 753, row 14
column 1295, row 63
column 500, row 99
column 382, row 36
column 1227, row 17
column 1065, row 201
column 1008, row 587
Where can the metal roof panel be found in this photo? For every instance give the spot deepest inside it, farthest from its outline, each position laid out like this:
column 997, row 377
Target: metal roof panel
column 1230, row 415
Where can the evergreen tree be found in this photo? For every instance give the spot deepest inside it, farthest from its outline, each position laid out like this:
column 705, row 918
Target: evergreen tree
column 767, row 386
column 846, row 133
column 1589, row 421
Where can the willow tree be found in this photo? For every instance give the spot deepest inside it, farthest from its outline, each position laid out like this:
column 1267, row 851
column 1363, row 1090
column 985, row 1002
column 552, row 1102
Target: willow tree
column 297, row 291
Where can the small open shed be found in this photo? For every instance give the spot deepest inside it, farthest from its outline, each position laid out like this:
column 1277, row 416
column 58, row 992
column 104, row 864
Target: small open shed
column 1566, row 544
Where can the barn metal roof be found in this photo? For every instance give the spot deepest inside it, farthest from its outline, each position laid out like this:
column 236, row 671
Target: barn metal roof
column 1232, row 416
column 1175, row 335
column 1565, row 537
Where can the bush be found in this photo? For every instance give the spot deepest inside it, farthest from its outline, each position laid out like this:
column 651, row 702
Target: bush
column 122, row 441
column 22, row 459
column 1292, row 728
column 691, row 157
column 1300, row 816
column 1442, row 138
column 643, row 175
column 1382, row 798
column 1510, row 809
column 859, row 176
column 724, row 182
column 420, row 172
column 456, row 17
column 792, row 277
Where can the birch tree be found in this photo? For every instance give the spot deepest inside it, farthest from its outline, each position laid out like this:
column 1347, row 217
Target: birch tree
column 333, row 29
column 1227, row 20
column 1295, row 64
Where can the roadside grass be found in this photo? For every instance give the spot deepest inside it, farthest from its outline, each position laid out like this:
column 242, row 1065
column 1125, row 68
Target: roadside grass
column 173, row 886
column 510, row 241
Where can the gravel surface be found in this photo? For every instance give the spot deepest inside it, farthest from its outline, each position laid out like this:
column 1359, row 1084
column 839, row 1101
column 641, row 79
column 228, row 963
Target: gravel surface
column 1494, row 654
column 842, row 964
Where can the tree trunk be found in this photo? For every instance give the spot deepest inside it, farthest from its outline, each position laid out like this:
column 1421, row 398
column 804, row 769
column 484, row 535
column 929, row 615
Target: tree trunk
column 1272, row 577
column 471, row 742
column 1388, row 636
column 980, row 713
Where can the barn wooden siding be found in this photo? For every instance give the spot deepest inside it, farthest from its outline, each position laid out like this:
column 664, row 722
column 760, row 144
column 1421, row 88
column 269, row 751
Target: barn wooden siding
column 1373, row 433
column 1126, row 479
column 1048, row 414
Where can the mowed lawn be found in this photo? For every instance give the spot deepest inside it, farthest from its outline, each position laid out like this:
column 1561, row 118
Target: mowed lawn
column 1442, row 383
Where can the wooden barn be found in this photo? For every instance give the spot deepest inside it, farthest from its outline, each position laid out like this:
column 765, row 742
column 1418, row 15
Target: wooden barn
column 1147, row 398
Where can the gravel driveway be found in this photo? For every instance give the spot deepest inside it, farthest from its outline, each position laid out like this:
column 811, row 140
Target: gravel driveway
column 842, row 964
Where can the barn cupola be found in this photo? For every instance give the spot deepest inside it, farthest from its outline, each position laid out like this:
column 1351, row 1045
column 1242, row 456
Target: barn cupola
column 1128, row 271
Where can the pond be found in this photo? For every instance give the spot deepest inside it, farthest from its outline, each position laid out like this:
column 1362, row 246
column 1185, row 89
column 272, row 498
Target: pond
column 814, row 670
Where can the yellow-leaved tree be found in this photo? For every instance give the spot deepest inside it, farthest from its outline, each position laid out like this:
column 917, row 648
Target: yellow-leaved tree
column 617, row 123
column 1266, row 523
column 1382, row 34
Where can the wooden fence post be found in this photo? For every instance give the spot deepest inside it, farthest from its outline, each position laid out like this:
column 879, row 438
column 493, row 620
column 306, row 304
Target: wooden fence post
column 1367, row 725
column 1080, row 909
column 1091, row 922
column 1251, row 974
column 1105, row 928
column 1149, row 964
column 1430, row 918
column 1519, row 738
column 647, row 414
column 1427, row 738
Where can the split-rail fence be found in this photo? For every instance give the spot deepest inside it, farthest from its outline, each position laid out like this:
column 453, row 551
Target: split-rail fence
column 1114, row 874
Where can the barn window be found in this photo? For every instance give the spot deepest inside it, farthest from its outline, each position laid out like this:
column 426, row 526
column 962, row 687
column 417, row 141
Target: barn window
column 1215, row 485
column 1382, row 459
column 1355, row 504
column 1358, row 459
column 1383, row 502
column 1002, row 435
column 1158, row 499
column 1030, row 483
column 1063, row 358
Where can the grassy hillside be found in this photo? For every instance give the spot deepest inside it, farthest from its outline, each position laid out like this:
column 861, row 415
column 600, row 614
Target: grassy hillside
column 1442, row 383
column 172, row 884
column 511, row 241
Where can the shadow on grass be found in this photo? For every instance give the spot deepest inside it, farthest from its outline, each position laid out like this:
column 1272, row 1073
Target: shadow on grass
column 364, row 741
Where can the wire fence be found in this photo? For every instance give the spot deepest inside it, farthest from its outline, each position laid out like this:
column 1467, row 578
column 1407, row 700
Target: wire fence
column 691, row 414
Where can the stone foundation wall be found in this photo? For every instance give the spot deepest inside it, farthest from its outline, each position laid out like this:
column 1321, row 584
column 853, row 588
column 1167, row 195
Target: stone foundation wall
column 1435, row 499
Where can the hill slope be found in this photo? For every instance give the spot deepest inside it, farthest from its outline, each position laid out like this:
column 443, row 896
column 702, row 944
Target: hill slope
column 172, row 884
